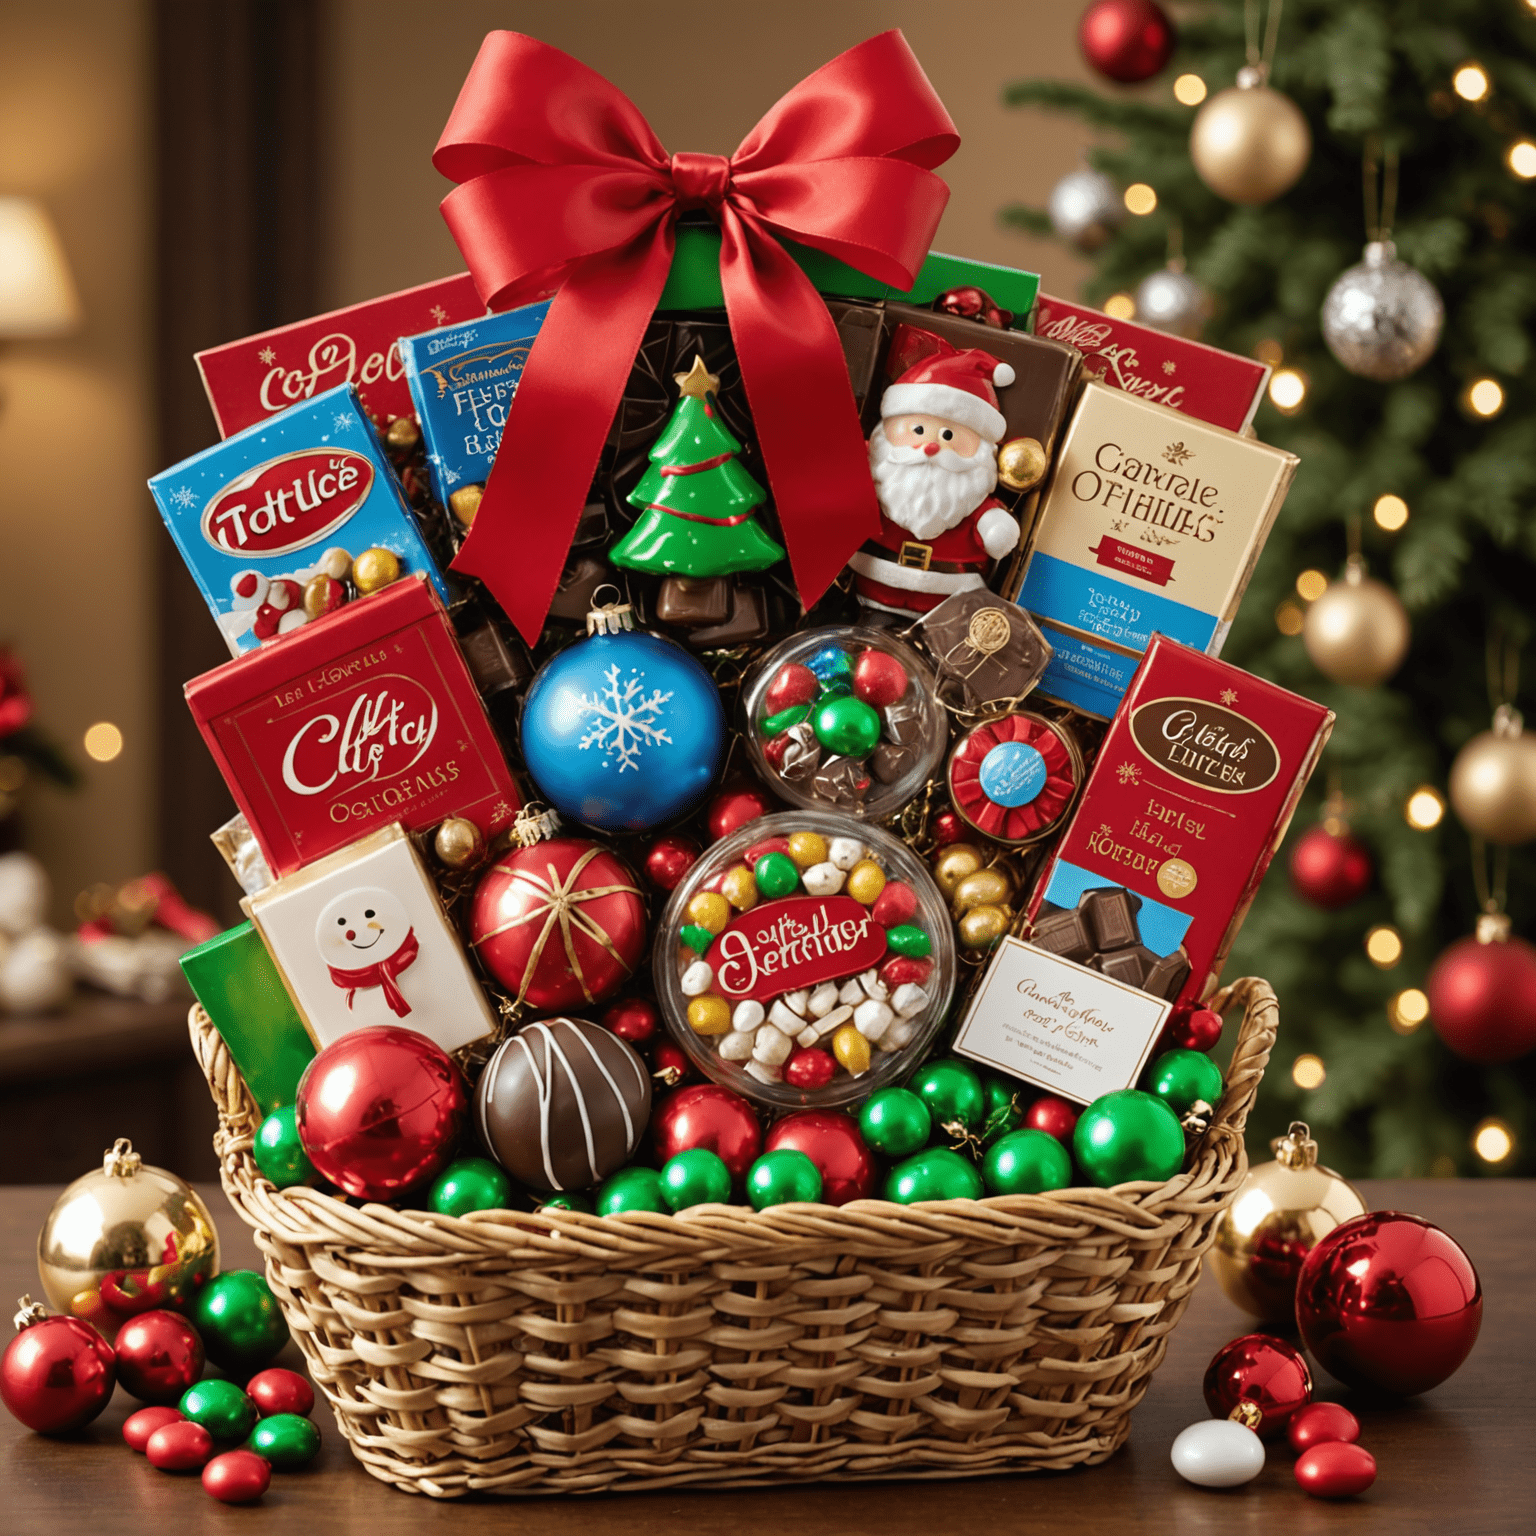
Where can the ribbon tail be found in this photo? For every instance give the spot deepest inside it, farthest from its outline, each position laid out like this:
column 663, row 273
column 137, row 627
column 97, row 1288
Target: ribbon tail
column 796, row 379
column 395, row 997
column 566, row 400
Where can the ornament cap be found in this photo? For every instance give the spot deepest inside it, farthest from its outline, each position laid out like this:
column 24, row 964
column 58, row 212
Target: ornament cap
column 1379, row 252
column 1296, row 1149
column 609, row 618
column 121, row 1162
column 1196, row 1120
column 28, row 1312
column 1355, row 569
column 1493, row 928
column 1248, row 1414
column 1508, row 722
column 533, row 824
column 1251, row 77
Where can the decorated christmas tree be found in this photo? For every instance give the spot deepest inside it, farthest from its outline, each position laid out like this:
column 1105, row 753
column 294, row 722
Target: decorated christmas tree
column 696, row 500
column 1418, row 458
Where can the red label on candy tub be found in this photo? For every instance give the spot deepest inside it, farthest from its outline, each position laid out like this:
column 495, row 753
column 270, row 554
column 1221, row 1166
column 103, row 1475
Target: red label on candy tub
column 286, row 503
column 786, row 945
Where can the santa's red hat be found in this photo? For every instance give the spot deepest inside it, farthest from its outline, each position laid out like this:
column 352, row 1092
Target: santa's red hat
column 959, row 386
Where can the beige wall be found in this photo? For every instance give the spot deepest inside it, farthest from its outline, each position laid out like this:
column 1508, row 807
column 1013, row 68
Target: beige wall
column 76, row 523
column 702, row 74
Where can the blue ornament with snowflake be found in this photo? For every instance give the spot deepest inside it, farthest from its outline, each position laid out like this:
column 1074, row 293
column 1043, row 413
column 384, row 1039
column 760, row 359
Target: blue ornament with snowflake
column 623, row 731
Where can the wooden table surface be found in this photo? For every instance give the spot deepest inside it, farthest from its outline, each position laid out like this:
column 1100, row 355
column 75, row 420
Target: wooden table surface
column 1458, row 1461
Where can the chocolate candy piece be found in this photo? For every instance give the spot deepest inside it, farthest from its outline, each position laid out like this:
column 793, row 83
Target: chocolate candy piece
column 888, row 761
column 1167, row 977
column 495, row 663
column 841, row 781
column 1111, row 913
column 1064, row 933
column 986, row 649
column 1131, row 965
column 582, row 576
column 904, row 720
column 802, row 753
column 747, row 620
column 563, row 1104
column 693, row 602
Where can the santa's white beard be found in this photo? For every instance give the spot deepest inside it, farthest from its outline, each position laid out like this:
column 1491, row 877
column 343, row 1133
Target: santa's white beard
column 929, row 494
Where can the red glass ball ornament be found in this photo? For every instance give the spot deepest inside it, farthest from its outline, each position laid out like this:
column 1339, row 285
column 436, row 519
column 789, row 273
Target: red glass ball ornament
column 668, row 859
column 670, row 1065
column 1260, row 1369
column 1390, row 1301
column 179, row 1447
column 736, row 805
column 1335, row 1470
column 1320, row 1424
column 1192, row 1029
column 533, row 917
column 237, row 1477
column 1330, row 869
column 635, row 1019
column 1482, row 999
column 878, row 679
column 1127, row 40
column 847, row 1166
column 709, row 1116
column 809, row 1068
column 57, row 1374
column 280, row 1391
column 138, row 1427
column 1054, row 1116
column 159, row 1355
column 946, row 828
column 792, row 685
column 379, row 1111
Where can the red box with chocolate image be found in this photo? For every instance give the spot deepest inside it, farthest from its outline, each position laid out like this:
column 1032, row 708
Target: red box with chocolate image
column 360, row 719
column 1189, row 797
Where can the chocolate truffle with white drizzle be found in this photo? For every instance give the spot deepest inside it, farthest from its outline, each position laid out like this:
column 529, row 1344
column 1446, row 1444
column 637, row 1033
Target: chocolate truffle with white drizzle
column 563, row 1104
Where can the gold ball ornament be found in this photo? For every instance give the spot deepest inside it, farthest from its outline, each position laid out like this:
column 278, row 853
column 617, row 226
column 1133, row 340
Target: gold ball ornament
column 465, row 502
column 459, row 843
column 1280, row 1212
column 1250, row 143
column 986, row 887
column 1357, row 632
column 375, row 569
column 123, row 1239
column 953, row 863
column 402, row 434
column 1493, row 781
column 983, row 926
column 1021, row 463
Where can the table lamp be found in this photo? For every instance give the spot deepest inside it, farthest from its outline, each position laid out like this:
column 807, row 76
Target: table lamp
column 37, row 293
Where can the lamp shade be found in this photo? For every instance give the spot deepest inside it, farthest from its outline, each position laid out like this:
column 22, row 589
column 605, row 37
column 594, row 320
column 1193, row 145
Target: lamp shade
column 37, row 293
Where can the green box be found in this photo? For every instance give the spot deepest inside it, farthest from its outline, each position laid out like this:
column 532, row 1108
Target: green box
column 694, row 281
column 239, row 987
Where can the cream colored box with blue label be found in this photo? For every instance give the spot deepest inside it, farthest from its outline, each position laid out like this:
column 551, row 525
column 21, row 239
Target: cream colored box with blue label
column 1152, row 522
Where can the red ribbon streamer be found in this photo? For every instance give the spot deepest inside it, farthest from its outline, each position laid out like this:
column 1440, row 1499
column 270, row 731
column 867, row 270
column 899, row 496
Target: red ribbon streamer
column 564, row 189
column 381, row 974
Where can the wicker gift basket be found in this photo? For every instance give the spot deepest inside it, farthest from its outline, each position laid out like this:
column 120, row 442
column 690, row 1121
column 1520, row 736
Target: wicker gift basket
column 515, row 1353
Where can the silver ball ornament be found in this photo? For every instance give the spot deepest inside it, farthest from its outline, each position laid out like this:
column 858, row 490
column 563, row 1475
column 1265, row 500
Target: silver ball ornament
column 1250, row 143
column 1357, row 632
column 1085, row 209
column 1382, row 318
column 1172, row 301
column 1493, row 782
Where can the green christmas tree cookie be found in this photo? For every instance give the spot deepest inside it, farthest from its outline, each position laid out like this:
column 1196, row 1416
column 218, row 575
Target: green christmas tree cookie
column 696, row 500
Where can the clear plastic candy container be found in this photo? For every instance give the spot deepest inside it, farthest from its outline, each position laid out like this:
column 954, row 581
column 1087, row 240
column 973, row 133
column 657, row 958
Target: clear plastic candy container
column 806, row 960
column 845, row 719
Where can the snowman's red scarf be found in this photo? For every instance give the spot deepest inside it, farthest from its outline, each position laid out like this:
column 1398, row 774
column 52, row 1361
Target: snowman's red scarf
column 381, row 973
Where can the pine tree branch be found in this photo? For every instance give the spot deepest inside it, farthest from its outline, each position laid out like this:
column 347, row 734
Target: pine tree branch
column 1135, row 117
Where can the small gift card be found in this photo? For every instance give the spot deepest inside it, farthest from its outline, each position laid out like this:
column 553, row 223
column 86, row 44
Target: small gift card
column 361, row 938
column 1067, row 1029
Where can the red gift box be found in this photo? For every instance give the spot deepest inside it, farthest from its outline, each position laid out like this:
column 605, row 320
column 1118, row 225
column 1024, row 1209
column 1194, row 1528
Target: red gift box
column 1204, row 382
column 251, row 379
column 363, row 718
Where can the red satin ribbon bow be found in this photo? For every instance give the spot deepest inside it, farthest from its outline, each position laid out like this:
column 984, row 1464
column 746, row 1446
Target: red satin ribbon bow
column 381, row 974
column 564, row 189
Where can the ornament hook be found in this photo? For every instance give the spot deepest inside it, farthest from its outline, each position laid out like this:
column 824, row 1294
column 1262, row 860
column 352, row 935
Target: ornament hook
column 122, row 1162
column 27, row 1313
column 609, row 618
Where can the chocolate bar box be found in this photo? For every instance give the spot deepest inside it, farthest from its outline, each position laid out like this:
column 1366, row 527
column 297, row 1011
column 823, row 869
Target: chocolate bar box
column 1190, row 794
column 1151, row 521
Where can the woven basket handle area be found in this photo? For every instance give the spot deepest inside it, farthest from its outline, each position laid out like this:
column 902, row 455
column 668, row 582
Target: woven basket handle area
column 1250, row 1055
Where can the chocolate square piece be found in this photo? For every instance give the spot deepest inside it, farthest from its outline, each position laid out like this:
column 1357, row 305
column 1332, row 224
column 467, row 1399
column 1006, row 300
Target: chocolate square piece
column 1111, row 915
column 746, row 621
column 888, row 761
column 691, row 602
column 1064, row 933
column 904, row 719
column 495, row 662
column 987, row 649
column 1132, row 966
column 842, row 781
column 582, row 576
column 1168, row 976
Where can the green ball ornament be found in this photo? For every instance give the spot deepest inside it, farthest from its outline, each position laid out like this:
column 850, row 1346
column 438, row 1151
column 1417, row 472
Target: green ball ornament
column 220, row 1407
column 847, row 726
column 279, row 1153
column 954, row 1095
column 1182, row 1078
column 470, row 1184
column 566, row 1201
column 287, row 1440
column 1004, row 1111
column 1026, row 1162
column 774, row 725
column 1128, row 1135
column 776, row 875
column 240, row 1321
column 630, row 1189
column 937, row 1174
column 695, row 1177
column 908, row 939
column 895, row 1122
column 782, row 1177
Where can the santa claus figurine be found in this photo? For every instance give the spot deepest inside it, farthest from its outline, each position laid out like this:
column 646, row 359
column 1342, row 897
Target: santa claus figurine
column 934, row 460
